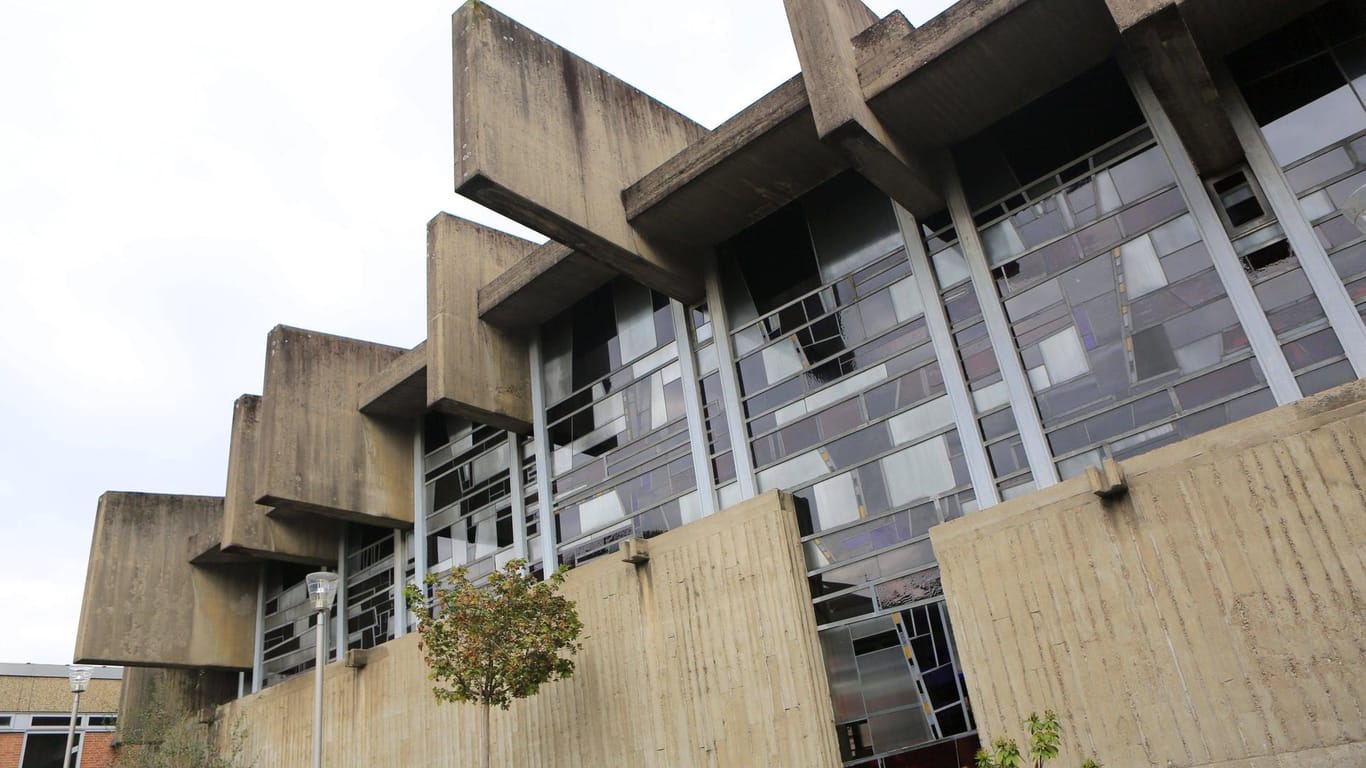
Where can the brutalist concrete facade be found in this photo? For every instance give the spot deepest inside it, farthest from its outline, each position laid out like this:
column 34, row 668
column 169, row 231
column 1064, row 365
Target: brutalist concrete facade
column 1041, row 317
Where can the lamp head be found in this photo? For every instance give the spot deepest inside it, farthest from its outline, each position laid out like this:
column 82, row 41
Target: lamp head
column 322, row 589
column 79, row 676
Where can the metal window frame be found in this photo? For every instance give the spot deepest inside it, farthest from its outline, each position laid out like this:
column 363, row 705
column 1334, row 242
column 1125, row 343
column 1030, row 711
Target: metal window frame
column 692, row 408
column 258, row 646
column 1261, row 338
column 545, row 503
column 730, row 382
column 1022, row 404
column 1323, row 278
column 399, row 624
column 518, row 492
column 941, row 339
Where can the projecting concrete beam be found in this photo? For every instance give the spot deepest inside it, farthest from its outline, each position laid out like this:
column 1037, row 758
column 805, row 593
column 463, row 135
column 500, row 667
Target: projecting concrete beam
column 400, row 390
column 146, row 605
column 823, row 31
column 248, row 530
column 541, row 285
column 753, row 164
column 1162, row 46
column 319, row 454
column 550, row 140
column 474, row 369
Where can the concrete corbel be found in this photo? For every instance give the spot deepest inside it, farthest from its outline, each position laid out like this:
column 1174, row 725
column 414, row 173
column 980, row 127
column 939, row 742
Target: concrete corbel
column 1157, row 40
column 823, row 32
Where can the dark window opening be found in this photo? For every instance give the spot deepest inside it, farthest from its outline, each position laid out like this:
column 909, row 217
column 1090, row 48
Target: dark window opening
column 776, row 259
column 1238, row 199
column 46, row 750
column 1267, row 255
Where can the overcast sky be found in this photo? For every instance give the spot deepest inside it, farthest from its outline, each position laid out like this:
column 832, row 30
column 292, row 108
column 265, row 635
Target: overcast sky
column 176, row 178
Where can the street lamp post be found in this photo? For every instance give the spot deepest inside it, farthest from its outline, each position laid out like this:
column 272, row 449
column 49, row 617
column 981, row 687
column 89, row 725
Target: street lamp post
column 80, row 677
column 1355, row 208
column 322, row 590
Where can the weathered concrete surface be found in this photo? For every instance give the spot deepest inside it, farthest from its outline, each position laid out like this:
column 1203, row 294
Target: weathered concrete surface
column 550, row 140
column 248, row 529
column 823, row 32
column 400, row 390
column 549, row 280
column 705, row 656
column 753, row 164
column 319, row 454
column 1165, row 51
column 25, row 693
column 474, row 370
column 178, row 692
column 1211, row 618
column 977, row 62
column 1224, row 25
column 145, row 604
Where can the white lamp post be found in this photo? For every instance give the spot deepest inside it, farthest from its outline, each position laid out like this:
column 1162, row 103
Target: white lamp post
column 80, row 678
column 1355, row 208
column 322, row 590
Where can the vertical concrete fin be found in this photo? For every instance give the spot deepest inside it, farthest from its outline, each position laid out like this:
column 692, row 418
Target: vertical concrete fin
column 146, row 604
column 318, row 453
column 550, row 140
column 823, row 32
column 247, row 528
column 473, row 369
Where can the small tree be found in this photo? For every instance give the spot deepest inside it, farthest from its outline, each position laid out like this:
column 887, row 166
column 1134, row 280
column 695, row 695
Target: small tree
column 1045, row 740
column 490, row 645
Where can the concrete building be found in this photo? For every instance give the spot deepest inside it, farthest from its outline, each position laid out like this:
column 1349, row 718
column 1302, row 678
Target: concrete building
column 35, row 716
column 1004, row 363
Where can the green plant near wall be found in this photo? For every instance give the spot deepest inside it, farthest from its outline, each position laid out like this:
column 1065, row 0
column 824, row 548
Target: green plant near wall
column 492, row 644
column 171, row 736
column 1045, row 740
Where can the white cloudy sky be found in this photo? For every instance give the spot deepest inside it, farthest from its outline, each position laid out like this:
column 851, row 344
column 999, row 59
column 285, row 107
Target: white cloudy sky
column 178, row 177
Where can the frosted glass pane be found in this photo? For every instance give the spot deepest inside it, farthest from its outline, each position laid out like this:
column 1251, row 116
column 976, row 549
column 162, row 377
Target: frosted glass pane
column 921, row 420
column 836, row 502
column 1063, row 355
column 918, row 472
column 1142, row 270
column 600, row 511
column 1323, row 121
column 906, row 299
column 792, row 472
column 635, row 319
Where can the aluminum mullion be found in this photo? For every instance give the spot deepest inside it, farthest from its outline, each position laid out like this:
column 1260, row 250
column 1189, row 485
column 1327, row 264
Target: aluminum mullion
column 937, row 322
column 419, row 510
column 1318, row 268
column 998, row 332
column 545, row 504
column 730, row 383
column 339, row 624
column 1226, row 262
column 518, row 491
column 400, row 622
column 692, row 408
column 258, row 645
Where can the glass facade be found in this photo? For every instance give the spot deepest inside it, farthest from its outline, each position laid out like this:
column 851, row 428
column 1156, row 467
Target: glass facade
column 290, row 640
column 1099, row 286
column 1306, row 87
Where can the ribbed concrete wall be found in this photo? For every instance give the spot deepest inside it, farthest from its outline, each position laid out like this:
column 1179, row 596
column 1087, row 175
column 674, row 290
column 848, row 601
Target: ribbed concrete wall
column 1213, row 618
column 707, row 656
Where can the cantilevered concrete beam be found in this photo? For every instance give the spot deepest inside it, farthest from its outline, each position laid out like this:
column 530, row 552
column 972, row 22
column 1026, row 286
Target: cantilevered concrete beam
column 474, row 369
column 1159, row 42
column 400, row 390
column 146, row 604
column 550, row 140
column 543, row 284
column 823, row 31
column 248, row 529
column 319, row 454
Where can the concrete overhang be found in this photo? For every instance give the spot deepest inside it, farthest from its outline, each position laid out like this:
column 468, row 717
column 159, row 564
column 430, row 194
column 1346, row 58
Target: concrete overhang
column 546, row 282
column 977, row 62
column 1223, row 26
column 400, row 390
column 146, row 604
column 248, row 530
column 549, row 140
column 319, row 455
column 750, row 166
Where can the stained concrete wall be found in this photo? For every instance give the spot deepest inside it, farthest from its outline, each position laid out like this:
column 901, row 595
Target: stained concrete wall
column 473, row 369
column 706, row 656
column 178, row 693
column 318, row 453
column 145, row 604
column 53, row 694
column 247, row 528
column 1211, row 618
column 550, row 140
